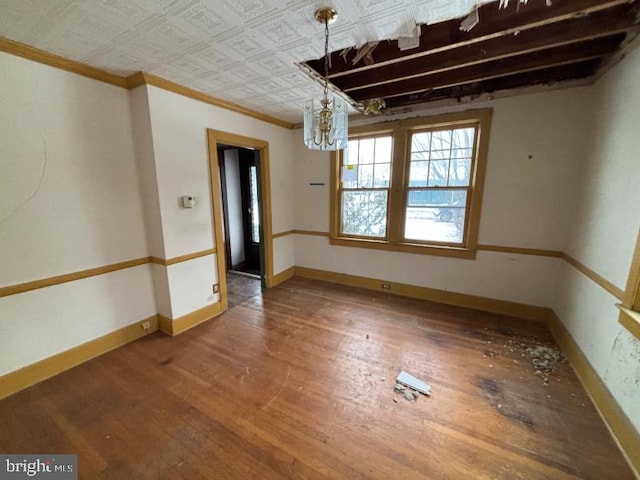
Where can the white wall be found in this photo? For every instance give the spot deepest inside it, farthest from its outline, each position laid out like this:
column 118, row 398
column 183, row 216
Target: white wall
column 69, row 201
column 526, row 204
column 146, row 167
column 178, row 126
column 607, row 214
column 235, row 229
column 69, row 181
column 148, row 184
column 39, row 324
column 604, row 226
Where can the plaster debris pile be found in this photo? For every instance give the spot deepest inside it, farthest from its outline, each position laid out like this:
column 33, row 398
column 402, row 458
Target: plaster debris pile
column 407, row 393
column 410, row 387
column 543, row 358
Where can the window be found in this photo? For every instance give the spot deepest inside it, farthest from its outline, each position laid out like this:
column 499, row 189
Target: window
column 630, row 307
column 632, row 291
column 255, row 206
column 365, row 172
column 413, row 185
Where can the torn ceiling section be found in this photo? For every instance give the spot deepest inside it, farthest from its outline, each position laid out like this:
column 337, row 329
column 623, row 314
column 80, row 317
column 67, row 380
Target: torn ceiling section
column 242, row 51
column 501, row 46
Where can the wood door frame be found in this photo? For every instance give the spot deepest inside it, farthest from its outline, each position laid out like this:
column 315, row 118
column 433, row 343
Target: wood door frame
column 225, row 209
column 218, row 137
column 248, row 159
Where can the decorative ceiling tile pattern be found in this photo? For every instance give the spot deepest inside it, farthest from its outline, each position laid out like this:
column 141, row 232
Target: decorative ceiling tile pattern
column 244, row 51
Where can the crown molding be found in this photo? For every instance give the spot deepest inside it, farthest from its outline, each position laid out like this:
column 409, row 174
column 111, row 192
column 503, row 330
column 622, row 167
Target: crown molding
column 40, row 56
column 144, row 78
column 137, row 79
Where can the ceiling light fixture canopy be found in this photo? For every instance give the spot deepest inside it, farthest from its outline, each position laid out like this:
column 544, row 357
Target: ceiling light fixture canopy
column 326, row 121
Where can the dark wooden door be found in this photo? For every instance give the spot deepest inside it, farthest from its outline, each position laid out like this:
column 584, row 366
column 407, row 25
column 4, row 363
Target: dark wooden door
column 251, row 218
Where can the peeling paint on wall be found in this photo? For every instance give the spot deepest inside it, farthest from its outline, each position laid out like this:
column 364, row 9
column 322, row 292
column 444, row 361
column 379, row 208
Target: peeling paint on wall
column 623, row 371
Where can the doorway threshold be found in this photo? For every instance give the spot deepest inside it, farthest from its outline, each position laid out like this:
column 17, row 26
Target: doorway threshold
column 244, row 274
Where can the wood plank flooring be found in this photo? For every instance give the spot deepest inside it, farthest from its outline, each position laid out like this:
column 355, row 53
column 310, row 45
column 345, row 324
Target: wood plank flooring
column 298, row 383
column 241, row 288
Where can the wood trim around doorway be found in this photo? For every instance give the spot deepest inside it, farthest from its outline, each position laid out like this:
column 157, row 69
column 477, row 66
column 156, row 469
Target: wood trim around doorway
column 216, row 205
column 216, row 137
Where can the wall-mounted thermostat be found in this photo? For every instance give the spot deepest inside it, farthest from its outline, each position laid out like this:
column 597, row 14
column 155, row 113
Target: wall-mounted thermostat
column 188, row 201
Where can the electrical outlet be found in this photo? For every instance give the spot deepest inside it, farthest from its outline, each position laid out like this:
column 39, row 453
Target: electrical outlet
column 216, row 288
column 386, row 286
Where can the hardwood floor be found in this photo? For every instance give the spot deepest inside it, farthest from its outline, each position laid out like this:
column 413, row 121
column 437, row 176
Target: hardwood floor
column 241, row 288
column 298, row 383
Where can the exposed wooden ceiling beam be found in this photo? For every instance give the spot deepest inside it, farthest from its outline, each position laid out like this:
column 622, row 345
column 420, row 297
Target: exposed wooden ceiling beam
column 563, row 55
column 545, row 76
column 494, row 23
column 522, row 45
column 601, row 24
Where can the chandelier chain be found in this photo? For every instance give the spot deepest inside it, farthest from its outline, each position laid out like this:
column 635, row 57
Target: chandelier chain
column 325, row 124
column 326, row 57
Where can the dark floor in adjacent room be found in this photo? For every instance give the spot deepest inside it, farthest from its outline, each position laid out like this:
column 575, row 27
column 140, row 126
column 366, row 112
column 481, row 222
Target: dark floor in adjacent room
column 298, row 383
column 242, row 287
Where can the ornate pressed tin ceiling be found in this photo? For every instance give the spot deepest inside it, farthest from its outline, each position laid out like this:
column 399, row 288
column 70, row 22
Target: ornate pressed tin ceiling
column 249, row 52
column 243, row 51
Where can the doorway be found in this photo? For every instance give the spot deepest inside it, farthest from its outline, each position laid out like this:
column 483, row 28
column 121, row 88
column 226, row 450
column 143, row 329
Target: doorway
column 241, row 208
column 241, row 201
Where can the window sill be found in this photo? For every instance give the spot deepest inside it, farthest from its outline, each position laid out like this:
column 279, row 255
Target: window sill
column 443, row 251
column 630, row 319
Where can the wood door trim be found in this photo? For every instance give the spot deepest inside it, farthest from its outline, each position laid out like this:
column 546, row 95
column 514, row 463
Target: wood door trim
column 216, row 137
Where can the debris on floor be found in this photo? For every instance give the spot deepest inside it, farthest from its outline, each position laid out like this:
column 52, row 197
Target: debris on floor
column 410, row 395
column 412, row 382
column 543, row 358
column 410, row 387
column 407, row 393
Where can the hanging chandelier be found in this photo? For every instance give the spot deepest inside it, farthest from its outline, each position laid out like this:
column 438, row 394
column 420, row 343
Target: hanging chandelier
column 326, row 121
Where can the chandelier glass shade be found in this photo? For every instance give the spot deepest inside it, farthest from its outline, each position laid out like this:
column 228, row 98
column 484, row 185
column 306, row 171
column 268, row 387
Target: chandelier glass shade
column 326, row 120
